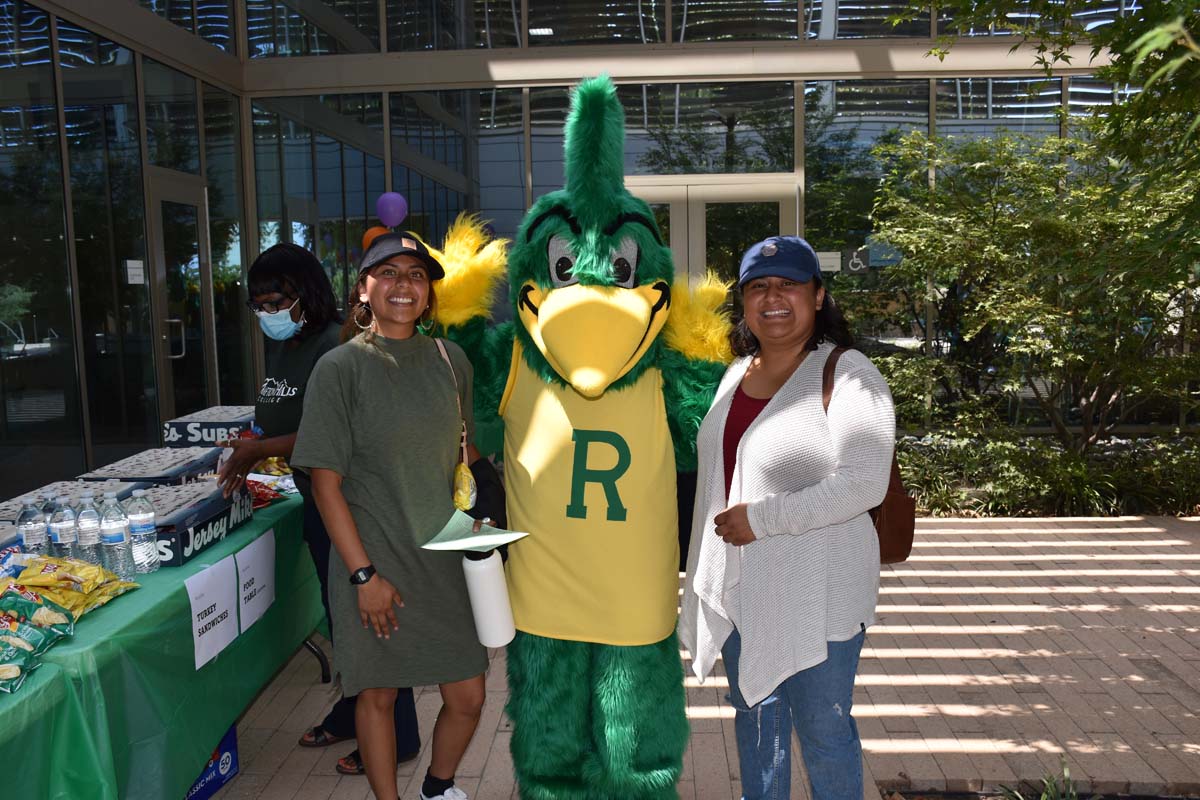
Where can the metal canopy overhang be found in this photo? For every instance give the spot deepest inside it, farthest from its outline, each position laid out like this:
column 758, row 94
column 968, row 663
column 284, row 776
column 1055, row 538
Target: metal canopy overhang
column 691, row 63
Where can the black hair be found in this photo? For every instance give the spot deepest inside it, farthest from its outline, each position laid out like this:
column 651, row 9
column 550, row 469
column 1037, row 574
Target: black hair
column 830, row 325
column 290, row 270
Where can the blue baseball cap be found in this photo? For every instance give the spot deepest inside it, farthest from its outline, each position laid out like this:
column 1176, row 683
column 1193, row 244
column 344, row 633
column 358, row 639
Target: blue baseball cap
column 780, row 257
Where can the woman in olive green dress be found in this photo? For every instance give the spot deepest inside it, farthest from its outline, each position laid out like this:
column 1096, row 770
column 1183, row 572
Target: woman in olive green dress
column 380, row 438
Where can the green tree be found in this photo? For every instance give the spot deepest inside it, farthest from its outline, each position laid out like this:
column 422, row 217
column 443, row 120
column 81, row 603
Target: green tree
column 1038, row 257
column 1157, row 129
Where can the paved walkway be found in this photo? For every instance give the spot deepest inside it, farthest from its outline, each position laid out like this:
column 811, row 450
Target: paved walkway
column 1002, row 647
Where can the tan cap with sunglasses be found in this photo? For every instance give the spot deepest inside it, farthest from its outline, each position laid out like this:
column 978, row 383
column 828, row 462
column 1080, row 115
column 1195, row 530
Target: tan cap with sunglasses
column 390, row 245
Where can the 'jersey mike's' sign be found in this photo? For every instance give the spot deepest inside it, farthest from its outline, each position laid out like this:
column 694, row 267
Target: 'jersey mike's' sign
column 206, row 525
column 207, row 427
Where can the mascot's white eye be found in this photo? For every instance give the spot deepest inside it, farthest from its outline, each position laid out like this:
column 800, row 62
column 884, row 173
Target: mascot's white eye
column 561, row 257
column 624, row 263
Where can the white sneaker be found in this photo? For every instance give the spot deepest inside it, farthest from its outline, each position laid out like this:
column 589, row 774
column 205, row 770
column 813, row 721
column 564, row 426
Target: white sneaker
column 453, row 793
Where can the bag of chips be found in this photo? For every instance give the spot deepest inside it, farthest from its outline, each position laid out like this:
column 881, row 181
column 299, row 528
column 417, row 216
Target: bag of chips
column 24, row 605
column 64, row 573
column 27, row 637
column 11, row 564
column 15, row 664
column 107, row 592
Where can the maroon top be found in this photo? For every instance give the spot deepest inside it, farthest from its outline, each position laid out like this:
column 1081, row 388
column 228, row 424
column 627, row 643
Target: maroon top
column 742, row 412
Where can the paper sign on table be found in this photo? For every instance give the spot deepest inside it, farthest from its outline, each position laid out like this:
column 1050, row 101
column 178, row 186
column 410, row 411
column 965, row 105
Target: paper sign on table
column 213, row 593
column 256, row 578
column 458, row 534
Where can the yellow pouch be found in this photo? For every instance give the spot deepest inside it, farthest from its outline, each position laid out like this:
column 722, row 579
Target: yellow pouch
column 465, row 492
column 464, row 487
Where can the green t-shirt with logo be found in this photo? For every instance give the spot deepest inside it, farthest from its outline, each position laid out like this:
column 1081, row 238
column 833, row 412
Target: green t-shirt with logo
column 281, row 397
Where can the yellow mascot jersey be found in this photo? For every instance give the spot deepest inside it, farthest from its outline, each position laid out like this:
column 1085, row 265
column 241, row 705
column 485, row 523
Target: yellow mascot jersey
column 593, row 482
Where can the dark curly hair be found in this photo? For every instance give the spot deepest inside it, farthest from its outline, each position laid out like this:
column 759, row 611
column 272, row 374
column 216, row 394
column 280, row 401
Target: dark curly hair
column 830, row 326
column 292, row 271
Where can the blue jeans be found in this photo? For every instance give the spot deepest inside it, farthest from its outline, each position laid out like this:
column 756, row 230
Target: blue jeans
column 817, row 702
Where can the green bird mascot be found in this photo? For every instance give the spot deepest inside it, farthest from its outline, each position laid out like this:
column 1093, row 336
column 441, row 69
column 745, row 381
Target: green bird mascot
column 601, row 381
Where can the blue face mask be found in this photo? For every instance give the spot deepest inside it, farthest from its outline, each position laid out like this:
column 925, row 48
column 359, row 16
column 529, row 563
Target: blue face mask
column 279, row 326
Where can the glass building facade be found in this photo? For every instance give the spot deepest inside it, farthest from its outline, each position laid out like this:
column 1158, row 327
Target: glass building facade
column 145, row 161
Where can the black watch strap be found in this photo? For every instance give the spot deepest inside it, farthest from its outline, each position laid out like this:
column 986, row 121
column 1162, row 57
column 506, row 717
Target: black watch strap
column 361, row 576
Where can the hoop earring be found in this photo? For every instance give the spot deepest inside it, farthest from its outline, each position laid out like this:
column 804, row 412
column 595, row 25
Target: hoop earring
column 357, row 312
column 425, row 327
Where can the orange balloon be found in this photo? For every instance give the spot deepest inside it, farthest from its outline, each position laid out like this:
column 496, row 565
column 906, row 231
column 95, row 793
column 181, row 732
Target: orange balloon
column 370, row 235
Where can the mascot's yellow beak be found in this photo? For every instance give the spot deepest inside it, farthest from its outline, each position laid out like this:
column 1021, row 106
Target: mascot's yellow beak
column 593, row 335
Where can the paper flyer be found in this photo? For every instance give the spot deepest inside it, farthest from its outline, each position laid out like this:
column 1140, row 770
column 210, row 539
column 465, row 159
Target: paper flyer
column 458, row 534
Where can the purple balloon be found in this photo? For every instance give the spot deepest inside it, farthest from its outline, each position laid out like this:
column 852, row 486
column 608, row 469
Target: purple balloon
column 391, row 208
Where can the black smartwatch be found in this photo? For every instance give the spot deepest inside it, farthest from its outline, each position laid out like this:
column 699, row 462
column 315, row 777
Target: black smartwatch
column 361, row 576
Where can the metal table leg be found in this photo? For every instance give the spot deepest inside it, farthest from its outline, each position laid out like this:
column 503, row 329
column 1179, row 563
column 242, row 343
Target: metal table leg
column 319, row 654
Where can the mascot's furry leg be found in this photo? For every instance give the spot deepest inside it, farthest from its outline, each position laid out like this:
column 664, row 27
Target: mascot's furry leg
column 548, row 699
column 596, row 722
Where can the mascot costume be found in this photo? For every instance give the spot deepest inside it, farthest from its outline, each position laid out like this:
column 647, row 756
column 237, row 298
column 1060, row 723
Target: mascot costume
column 601, row 381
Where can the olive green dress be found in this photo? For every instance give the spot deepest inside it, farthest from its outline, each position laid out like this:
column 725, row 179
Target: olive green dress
column 381, row 413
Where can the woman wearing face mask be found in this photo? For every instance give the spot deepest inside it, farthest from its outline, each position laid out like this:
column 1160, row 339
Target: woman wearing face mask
column 293, row 299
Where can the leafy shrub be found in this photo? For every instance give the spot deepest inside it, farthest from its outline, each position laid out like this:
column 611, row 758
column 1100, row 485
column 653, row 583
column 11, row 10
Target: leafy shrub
column 1007, row 474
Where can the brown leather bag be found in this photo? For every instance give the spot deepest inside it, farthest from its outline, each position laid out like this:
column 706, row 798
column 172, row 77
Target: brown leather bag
column 896, row 517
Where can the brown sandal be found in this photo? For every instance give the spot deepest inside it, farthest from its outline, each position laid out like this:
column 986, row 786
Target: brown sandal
column 316, row 736
column 352, row 764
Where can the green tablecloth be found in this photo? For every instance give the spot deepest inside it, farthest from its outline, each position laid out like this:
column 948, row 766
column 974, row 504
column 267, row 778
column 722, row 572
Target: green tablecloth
column 132, row 717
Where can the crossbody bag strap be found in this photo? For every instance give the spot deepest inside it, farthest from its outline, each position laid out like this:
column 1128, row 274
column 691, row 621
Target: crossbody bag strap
column 827, row 376
column 441, row 346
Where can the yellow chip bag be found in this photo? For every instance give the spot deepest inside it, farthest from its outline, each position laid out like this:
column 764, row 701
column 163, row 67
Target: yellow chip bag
column 107, row 592
column 64, row 573
column 75, row 603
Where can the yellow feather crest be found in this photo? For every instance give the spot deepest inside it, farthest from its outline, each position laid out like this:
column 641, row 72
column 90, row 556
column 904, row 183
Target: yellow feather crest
column 699, row 324
column 475, row 264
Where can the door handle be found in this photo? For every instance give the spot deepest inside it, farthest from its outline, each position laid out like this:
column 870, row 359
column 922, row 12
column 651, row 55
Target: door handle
column 182, row 340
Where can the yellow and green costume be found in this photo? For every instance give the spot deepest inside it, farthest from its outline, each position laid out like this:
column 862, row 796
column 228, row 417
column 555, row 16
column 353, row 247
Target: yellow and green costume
column 600, row 382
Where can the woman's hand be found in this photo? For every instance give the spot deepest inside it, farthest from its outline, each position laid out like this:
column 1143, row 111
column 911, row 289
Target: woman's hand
column 733, row 525
column 377, row 602
column 243, row 455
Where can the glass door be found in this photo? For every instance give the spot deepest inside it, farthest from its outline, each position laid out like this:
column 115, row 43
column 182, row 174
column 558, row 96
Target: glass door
column 185, row 346
column 710, row 223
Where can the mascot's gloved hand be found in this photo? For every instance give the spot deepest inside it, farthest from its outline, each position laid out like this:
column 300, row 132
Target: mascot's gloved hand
column 489, row 497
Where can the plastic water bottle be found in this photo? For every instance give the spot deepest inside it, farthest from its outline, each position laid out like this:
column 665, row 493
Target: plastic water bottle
column 87, row 530
column 32, row 528
column 62, row 529
column 114, row 535
column 143, row 532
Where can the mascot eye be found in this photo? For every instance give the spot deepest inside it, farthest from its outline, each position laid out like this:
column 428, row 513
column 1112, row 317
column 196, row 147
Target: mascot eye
column 624, row 263
column 561, row 257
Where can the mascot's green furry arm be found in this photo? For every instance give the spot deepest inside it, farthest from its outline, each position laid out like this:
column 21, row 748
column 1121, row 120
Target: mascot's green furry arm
column 601, row 382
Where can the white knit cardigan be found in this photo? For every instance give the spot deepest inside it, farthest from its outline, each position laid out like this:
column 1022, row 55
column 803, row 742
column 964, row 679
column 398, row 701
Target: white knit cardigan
column 812, row 574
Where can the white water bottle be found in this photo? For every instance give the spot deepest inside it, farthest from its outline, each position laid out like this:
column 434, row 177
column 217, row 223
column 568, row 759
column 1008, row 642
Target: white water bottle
column 32, row 528
column 143, row 532
column 62, row 529
column 114, row 535
column 87, row 530
column 489, row 598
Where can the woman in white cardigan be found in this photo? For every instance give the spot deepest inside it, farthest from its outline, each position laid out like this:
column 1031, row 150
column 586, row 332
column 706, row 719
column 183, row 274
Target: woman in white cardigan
column 783, row 569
